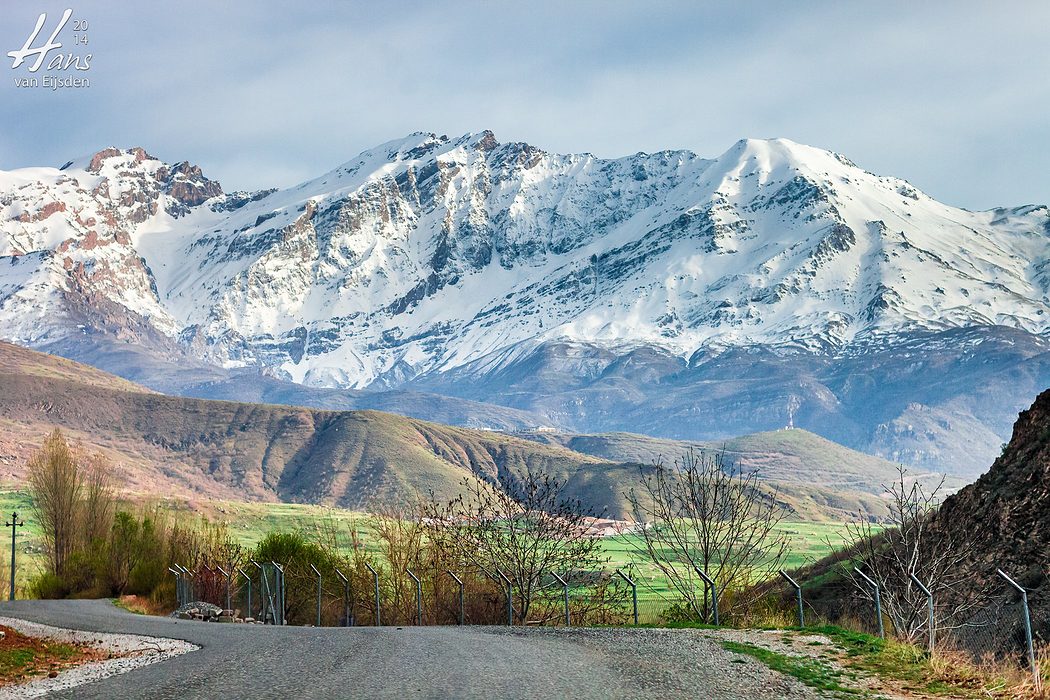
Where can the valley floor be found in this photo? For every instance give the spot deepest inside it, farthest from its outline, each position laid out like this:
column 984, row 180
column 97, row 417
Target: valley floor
column 248, row 523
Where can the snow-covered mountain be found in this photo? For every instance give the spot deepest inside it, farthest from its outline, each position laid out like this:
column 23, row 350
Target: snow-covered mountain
column 447, row 263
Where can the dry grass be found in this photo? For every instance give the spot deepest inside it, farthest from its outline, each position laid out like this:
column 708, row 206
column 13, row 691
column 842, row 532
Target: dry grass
column 992, row 678
column 142, row 605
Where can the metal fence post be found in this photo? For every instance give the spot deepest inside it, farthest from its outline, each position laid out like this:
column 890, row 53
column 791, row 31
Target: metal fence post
column 264, row 587
column 225, row 575
column 318, row 594
column 178, row 586
column 375, row 575
column 460, row 582
column 278, row 610
column 510, row 598
column 878, row 600
column 1027, row 627
column 268, row 598
column 275, row 602
column 929, row 605
column 714, row 594
column 634, row 593
column 280, row 591
column 249, row 580
column 284, row 596
column 798, row 594
column 565, row 595
column 419, row 596
column 346, row 597
column 189, row 582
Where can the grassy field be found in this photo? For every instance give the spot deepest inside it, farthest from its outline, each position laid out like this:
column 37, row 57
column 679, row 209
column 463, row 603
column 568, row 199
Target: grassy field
column 808, row 541
column 248, row 523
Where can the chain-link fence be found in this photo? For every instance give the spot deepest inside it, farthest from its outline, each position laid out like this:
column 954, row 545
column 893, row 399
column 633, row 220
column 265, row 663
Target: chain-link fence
column 994, row 631
column 1006, row 623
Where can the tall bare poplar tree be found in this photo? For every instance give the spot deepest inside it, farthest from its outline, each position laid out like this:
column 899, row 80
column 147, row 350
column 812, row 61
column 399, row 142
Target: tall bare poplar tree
column 55, row 480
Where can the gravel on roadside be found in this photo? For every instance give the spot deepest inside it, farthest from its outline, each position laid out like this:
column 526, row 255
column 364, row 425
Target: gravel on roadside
column 676, row 662
column 131, row 651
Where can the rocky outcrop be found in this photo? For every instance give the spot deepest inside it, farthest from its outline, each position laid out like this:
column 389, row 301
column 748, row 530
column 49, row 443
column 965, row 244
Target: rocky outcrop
column 186, row 184
column 1006, row 512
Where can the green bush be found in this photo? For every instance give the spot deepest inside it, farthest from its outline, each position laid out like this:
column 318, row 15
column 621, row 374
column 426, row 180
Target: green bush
column 679, row 613
column 146, row 576
column 48, row 586
column 295, row 553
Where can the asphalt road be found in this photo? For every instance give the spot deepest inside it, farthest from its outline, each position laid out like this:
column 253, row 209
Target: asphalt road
column 253, row 661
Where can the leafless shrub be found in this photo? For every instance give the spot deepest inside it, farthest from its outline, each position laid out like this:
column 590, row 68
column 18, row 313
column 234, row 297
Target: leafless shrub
column 910, row 547
column 523, row 527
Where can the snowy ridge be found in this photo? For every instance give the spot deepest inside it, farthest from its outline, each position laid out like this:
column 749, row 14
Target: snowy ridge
column 428, row 254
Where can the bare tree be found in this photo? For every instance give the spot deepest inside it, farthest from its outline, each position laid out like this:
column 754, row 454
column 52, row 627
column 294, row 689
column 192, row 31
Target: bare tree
column 95, row 517
column 56, row 483
column 401, row 535
column 706, row 517
column 910, row 545
column 524, row 527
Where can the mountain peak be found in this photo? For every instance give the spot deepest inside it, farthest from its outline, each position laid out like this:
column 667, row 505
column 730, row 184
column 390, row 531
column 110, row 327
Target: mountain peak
column 419, row 144
column 777, row 154
column 483, row 140
column 112, row 155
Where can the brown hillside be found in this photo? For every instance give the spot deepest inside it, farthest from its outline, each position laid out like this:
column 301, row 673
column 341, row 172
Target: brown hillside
column 165, row 445
column 233, row 450
column 1005, row 514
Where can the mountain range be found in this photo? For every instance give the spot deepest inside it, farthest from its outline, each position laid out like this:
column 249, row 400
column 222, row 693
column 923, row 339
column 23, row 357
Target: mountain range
column 498, row 285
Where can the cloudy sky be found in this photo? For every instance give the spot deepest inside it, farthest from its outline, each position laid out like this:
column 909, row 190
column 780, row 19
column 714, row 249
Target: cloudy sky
column 953, row 96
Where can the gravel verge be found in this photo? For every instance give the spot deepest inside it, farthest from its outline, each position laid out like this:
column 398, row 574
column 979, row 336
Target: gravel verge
column 686, row 663
column 132, row 651
column 814, row 646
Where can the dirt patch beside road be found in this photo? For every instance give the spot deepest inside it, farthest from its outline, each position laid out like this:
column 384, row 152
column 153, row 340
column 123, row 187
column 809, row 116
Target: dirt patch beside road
column 23, row 658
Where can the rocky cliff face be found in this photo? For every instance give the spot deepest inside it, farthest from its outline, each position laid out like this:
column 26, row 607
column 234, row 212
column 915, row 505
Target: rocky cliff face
column 1007, row 511
column 597, row 293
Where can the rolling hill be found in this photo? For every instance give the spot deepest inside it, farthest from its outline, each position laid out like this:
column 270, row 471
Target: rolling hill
column 791, row 455
column 167, row 445
column 252, row 451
